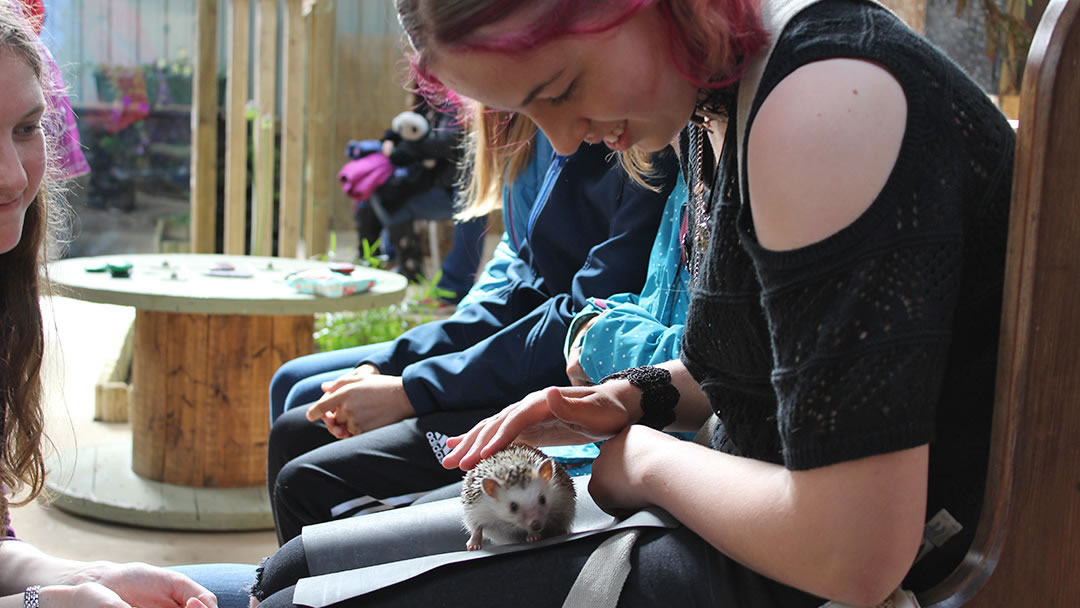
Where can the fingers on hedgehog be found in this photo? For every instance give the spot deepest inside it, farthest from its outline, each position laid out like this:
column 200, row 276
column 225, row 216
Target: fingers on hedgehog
column 518, row 493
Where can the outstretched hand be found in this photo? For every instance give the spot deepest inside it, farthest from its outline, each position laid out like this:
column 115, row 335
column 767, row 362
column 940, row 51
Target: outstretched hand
column 553, row 416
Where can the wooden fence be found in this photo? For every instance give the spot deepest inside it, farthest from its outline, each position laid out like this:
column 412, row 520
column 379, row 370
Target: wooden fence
column 331, row 91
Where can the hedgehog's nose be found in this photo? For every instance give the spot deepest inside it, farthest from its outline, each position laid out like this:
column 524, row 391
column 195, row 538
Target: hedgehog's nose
column 535, row 525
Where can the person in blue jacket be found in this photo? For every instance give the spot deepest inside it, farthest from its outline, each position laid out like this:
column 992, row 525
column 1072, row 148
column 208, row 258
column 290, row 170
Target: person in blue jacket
column 578, row 231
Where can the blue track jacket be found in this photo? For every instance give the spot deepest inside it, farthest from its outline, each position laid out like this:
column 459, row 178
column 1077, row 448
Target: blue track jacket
column 589, row 232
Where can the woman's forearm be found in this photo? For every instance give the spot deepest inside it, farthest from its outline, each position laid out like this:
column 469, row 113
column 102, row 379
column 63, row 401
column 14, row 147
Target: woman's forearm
column 847, row 531
column 22, row 565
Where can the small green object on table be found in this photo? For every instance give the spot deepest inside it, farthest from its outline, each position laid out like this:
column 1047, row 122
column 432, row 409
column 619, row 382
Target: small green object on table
column 119, row 270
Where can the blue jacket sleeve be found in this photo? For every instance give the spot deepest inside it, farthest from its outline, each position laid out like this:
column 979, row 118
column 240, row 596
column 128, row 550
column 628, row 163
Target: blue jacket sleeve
column 626, row 335
column 466, row 327
column 493, row 278
column 527, row 354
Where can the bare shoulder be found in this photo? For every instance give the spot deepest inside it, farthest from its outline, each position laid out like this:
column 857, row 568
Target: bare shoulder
column 821, row 148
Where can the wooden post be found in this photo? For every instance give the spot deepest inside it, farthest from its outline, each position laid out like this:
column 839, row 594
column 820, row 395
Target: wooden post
column 112, row 393
column 204, row 129
column 319, row 168
column 1011, row 66
column 262, row 211
column 292, row 129
column 236, row 98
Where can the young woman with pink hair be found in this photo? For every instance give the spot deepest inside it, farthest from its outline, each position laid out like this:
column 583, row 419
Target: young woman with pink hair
column 849, row 199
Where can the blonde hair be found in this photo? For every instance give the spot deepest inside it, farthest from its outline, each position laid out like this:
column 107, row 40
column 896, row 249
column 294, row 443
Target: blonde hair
column 498, row 147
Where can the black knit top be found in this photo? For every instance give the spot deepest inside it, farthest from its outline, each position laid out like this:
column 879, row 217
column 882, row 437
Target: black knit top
column 883, row 336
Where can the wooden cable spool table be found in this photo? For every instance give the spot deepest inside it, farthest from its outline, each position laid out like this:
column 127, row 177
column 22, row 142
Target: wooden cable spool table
column 205, row 349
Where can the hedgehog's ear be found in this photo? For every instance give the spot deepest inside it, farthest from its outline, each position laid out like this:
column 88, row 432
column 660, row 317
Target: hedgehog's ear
column 546, row 470
column 490, row 486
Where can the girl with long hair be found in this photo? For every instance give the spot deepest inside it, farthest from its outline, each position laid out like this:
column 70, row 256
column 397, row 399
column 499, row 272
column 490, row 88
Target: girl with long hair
column 29, row 210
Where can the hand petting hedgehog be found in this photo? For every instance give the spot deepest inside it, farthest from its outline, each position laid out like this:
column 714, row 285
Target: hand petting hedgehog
column 518, row 493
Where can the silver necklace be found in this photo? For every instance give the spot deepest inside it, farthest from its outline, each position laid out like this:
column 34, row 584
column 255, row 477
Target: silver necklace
column 700, row 194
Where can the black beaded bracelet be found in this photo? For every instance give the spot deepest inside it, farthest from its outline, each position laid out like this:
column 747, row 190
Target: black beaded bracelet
column 658, row 396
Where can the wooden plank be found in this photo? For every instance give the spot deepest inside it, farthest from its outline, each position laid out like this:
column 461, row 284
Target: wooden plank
column 112, row 390
column 238, row 404
column 1012, row 61
column 1029, row 530
column 321, row 165
column 292, row 338
column 236, row 98
column 265, row 360
column 1041, row 330
column 290, row 207
column 309, row 109
column 369, row 74
column 265, row 66
column 204, row 130
column 148, row 412
column 186, row 390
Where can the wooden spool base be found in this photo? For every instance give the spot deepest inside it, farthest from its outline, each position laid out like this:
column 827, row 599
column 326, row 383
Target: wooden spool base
column 200, row 412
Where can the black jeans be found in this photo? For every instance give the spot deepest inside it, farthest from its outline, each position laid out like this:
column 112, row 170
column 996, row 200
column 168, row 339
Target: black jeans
column 313, row 477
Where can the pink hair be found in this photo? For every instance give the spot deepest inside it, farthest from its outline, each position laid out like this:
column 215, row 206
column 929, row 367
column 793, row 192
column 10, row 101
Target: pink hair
column 693, row 47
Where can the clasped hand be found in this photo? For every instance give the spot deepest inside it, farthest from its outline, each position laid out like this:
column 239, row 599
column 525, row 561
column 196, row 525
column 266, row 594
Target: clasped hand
column 361, row 400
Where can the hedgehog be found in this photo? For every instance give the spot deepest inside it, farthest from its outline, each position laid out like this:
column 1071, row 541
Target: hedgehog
column 518, row 493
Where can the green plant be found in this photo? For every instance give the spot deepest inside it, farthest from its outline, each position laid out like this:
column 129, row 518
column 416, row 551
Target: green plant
column 339, row 330
column 369, row 258
column 431, row 293
column 334, row 331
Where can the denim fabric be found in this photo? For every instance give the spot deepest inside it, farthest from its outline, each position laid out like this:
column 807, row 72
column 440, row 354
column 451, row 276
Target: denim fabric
column 229, row 582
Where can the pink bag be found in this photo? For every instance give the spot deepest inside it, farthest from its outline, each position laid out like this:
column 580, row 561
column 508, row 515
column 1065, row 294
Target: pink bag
column 360, row 178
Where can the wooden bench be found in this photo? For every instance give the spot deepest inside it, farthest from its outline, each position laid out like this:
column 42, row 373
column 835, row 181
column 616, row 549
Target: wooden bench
column 1027, row 544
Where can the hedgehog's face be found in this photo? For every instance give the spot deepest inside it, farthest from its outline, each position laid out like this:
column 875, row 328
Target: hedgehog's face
column 526, row 506
column 525, row 500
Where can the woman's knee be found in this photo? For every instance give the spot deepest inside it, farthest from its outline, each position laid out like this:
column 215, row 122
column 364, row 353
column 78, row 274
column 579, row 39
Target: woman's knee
column 281, row 571
column 285, row 434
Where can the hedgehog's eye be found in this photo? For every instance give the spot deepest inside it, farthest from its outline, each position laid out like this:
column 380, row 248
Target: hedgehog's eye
column 513, row 507
column 543, row 500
